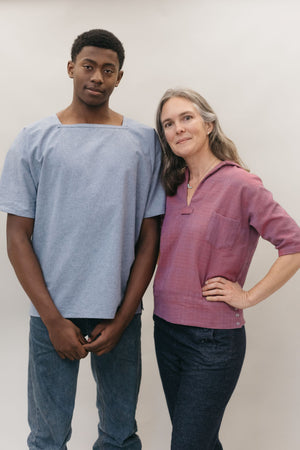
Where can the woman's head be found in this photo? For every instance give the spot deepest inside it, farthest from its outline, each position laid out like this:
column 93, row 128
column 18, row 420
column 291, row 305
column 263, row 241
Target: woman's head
column 222, row 147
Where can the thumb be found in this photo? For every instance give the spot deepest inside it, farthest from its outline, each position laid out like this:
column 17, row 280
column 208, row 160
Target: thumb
column 96, row 332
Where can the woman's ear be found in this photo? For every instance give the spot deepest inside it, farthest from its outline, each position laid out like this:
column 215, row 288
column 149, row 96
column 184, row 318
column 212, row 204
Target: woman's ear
column 209, row 127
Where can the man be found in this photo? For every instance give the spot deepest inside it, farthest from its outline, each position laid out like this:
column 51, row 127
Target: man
column 82, row 193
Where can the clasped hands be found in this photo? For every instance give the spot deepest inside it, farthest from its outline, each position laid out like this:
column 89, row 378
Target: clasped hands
column 218, row 289
column 69, row 342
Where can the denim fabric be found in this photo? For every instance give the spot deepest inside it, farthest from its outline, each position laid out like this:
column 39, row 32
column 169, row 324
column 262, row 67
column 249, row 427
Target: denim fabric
column 199, row 369
column 52, row 385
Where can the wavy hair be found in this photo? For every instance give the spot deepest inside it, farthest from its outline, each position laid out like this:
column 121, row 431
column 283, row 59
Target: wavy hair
column 173, row 167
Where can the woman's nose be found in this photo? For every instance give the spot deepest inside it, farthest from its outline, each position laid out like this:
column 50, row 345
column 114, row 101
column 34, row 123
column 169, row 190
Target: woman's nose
column 179, row 128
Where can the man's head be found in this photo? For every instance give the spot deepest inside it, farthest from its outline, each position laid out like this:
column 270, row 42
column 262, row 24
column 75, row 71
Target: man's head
column 101, row 39
column 97, row 58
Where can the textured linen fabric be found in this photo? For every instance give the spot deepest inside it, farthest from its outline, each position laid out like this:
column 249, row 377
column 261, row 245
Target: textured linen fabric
column 88, row 188
column 216, row 235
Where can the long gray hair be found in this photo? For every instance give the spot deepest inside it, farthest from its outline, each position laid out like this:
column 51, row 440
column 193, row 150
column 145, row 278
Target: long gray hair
column 173, row 167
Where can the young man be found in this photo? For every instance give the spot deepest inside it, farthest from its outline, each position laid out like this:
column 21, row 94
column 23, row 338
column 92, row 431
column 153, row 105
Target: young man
column 82, row 193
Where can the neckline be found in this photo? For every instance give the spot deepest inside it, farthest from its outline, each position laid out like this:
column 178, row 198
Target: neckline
column 86, row 124
column 213, row 170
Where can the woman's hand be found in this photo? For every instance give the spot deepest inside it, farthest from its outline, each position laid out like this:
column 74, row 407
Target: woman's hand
column 219, row 289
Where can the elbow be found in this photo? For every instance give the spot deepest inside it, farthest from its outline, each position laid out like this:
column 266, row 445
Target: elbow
column 16, row 243
column 12, row 246
column 18, row 234
column 297, row 258
column 292, row 260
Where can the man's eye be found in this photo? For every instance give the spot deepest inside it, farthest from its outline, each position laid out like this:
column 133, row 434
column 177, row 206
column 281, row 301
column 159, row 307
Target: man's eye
column 86, row 66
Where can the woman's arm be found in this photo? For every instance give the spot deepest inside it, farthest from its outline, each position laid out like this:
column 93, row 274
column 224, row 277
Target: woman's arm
column 219, row 289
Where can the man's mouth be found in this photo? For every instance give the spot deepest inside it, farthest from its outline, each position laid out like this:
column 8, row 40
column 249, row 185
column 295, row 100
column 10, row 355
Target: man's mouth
column 94, row 90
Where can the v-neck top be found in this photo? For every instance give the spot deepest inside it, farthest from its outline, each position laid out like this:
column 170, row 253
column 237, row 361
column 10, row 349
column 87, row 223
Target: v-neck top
column 216, row 235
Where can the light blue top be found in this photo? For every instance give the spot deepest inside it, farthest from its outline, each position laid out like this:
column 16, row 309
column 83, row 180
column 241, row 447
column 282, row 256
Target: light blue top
column 88, row 187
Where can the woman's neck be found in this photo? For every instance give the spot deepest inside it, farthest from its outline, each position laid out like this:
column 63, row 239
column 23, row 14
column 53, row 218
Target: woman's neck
column 200, row 168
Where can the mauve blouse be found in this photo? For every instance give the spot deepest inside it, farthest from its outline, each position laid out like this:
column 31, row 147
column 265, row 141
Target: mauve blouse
column 216, row 235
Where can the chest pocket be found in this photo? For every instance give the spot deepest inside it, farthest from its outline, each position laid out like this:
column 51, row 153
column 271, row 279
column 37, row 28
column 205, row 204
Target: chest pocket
column 222, row 231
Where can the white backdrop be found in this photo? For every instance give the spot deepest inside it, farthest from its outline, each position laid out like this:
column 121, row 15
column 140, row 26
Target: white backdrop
column 244, row 57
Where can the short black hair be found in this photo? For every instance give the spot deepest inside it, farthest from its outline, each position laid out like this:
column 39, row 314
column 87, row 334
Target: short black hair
column 98, row 38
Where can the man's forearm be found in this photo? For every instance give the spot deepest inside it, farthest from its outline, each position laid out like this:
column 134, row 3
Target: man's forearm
column 106, row 334
column 141, row 271
column 27, row 267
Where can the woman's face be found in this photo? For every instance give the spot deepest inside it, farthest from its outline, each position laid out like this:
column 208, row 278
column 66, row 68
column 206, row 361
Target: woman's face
column 185, row 130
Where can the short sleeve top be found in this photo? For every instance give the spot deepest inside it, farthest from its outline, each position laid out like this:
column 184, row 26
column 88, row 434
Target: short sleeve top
column 216, row 235
column 88, row 188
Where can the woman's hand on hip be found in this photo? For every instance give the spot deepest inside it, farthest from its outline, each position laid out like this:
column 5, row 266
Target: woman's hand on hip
column 218, row 289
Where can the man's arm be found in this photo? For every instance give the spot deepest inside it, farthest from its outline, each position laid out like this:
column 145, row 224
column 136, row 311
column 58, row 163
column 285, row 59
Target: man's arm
column 64, row 335
column 107, row 334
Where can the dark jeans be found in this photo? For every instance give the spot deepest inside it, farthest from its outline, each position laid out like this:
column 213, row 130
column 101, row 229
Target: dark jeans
column 199, row 369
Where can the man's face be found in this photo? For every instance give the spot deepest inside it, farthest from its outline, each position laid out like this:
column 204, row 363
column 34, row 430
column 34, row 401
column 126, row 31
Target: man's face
column 95, row 73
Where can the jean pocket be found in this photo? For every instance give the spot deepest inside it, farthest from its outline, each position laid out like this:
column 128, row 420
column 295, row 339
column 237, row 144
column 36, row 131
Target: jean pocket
column 230, row 345
column 222, row 231
column 201, row 335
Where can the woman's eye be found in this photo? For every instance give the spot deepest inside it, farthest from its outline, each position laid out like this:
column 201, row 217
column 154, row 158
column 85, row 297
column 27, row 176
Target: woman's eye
column 188, row 117
column 167, row 125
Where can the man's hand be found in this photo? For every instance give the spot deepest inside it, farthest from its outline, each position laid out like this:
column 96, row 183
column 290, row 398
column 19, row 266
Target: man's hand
column 104, row 337
column 67, row 340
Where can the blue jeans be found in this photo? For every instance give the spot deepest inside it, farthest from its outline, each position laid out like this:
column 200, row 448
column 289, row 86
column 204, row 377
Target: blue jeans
column 199, row 369
column 52, row 385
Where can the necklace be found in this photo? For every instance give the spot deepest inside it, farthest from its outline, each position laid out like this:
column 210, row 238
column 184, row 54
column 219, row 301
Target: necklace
column 204, row 174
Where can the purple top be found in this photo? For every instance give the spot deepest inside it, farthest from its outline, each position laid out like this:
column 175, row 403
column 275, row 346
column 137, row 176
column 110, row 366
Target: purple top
column 216, row 235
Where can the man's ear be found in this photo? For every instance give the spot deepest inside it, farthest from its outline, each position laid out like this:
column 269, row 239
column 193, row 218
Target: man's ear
column 120, row 76
column 70, row 69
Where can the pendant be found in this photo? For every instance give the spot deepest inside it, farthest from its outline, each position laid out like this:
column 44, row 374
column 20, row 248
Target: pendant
column 189, row 187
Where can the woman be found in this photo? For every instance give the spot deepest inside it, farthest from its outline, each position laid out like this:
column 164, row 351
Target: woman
column 216, row 211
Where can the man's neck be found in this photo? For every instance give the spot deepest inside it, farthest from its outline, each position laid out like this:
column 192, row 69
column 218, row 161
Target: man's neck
column 105, row 116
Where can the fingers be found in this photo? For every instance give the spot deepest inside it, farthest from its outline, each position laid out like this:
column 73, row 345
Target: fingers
column 219, row 289
column 99, row 328
column 215, row 288
column 214, row 293
column 96, row 345
column 97, row 349
column 82, row 339
column 104, row 342
column 73, row 355
column 73, row 350
column 216, row 280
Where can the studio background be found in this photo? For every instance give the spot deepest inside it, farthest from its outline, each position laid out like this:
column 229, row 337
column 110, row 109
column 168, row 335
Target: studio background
column 244, row 57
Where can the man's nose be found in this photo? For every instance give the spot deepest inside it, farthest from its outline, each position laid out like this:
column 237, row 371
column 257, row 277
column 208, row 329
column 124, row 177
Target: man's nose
column 97, row 76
